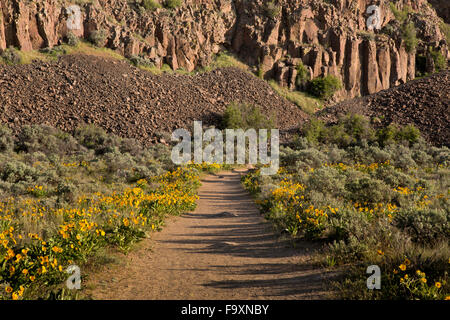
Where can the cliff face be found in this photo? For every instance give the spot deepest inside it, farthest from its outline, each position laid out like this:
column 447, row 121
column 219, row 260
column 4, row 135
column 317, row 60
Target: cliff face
column 328, row 36
column 442, row 8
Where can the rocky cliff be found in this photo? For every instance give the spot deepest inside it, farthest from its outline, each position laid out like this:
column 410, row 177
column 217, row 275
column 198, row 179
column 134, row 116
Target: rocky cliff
column 442, row 8
column 327, row 36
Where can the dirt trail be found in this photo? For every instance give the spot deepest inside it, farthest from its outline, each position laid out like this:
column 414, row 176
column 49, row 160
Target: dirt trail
column 223, row 250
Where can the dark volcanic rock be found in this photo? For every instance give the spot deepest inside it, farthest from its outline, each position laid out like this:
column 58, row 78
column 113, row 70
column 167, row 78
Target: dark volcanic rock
column 424, row 103
column 128, row 101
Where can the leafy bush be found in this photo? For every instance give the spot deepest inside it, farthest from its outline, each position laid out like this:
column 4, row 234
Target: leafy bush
column 272, row 10
column 314, row 131
column 350, row 130
column 72, row 39
column 302, row 75
column 392, row 134
column 245, row 116
column 367, row 203
column 409, row 36
column 425, row 226
column 172, row 4
column 11, row 56
column 98, row 37
column 440, row 62
column 6, row 139
column 45, row 139
column 141, row 61
column 150, row 5
column 324, row 87
column 96, row 138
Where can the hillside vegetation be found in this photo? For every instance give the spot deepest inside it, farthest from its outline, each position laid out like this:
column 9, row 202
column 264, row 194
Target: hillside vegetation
column 373, row 197
column 64, row 198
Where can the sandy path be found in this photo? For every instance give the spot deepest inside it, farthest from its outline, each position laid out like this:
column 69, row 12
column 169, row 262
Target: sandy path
column 223, row 250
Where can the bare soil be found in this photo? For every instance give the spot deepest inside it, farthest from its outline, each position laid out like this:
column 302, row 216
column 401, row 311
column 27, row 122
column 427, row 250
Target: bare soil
column 223, row 250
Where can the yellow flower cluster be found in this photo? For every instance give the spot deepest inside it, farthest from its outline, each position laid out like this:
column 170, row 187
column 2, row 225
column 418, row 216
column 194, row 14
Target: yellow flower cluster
column 30, row 254
column 358, row 166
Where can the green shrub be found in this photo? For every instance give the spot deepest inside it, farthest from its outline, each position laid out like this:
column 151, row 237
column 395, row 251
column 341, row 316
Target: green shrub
column 11, row 56
column 141, row 61
column 245, row 116
column 302, row 75
column 172, row 4
column 272, row 10
column 314, row 131
column 358, row 127
column 400, row 15
column 324, row 87
column 440, row 62
column 368, row 190
column 45, row 139
column 95, row 138
column 386, row 135
column 408, row 133
column 6, row 139
column 425, row 226
column 98, row 37
column 409, row 36
column 150, row 5
column 72, row 39
column 350, row 130
column 392, row 134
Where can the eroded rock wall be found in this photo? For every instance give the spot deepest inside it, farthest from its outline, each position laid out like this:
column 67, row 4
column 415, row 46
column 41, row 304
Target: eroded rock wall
column 327, row 36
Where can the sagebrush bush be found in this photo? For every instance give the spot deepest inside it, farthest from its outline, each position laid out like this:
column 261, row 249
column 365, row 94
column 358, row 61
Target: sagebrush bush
column 6, row 139
column 368, row 190
column 72, row 39
column 46, row 139
column 96, row 138
column 425, row 226
column 98, row 37
column 11, row 56
column 141, row 61
column 15, row 172
column 326, row 180
column 371, row 197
